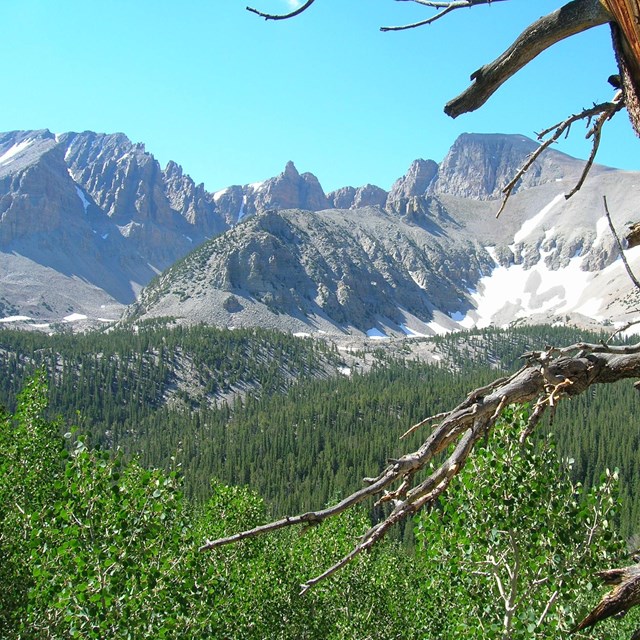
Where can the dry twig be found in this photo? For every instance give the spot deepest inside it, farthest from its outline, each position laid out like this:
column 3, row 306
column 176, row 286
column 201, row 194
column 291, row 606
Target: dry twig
column 282, row 16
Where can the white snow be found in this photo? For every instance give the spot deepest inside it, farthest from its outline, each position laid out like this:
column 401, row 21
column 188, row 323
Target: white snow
column 522, row 292
column 345, row 371
column 15, row 319
column 104, row 236
column 7, row 156
column 241, row 212
column 256, row 185
column 438, row 329
column 74, row 317
column 376, row 334
column 302, row 334
column 411, row 333
column 457, row 316
column 602, row 228
column 418, row 278
column 83, row 199
column 529, row 225
column 218, row 194
column 492, row 252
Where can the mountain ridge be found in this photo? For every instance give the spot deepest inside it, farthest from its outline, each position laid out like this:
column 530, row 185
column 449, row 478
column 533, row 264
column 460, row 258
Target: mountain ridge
column 88, row 220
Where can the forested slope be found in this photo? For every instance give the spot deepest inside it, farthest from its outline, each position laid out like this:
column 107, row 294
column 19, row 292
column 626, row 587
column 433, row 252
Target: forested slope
column 269, row 410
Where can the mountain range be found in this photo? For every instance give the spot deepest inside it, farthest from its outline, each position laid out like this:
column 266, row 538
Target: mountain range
column 93, row 229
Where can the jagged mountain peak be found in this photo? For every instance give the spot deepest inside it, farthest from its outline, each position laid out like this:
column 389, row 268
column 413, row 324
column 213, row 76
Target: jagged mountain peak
column 415, row 182
column 87, row 219
column 480, row 165
column 290, row 171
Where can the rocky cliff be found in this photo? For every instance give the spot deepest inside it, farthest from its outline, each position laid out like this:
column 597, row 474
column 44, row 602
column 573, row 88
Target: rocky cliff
column 87, row 220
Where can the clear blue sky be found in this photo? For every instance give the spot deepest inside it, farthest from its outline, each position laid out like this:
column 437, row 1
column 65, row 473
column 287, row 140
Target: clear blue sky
column 232, row 98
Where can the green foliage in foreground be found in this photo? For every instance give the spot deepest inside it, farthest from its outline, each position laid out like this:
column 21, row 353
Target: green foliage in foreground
column 92, row 546
column 515, row 544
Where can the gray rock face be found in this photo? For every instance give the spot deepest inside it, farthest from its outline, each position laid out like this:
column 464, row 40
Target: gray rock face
column 92, row 214
column 481, row 165
column 290, row 190
column 415, row 182
column 342, row 198
column 344, row 267
column 87, row 220
column 369, row 196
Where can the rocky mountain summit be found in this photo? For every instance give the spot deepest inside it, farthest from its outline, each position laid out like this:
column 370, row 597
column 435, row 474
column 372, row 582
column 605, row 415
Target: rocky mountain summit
column 88, row 220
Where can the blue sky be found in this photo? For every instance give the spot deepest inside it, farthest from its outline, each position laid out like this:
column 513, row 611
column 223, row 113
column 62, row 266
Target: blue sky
column 232, row 98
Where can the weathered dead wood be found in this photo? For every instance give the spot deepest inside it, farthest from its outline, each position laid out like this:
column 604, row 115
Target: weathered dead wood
column 601, row 113
column 624, row 595
column 547, row 378
column 573, row 18
column 626, row 43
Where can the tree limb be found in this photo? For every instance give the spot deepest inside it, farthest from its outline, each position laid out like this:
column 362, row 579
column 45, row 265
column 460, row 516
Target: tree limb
column 446, row 7
column 602, row 112
column 283, row 16
column 573, row 18
column 624, row 595
column 620, row 247
column 555, row 373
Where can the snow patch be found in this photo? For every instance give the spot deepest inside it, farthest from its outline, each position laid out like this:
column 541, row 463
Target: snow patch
column 8, row 155
column 518, row 293
column 529, row 225
column 256, row 185
column 376, row 334
column 74, row 317
column 241, row 212
column 218, row 194
column 602, row 228
column 411, row 333
column 418, row 278
column 345, row 371
column 15, row 319
column 492, row 253
column 438, row 329
column 83, row 198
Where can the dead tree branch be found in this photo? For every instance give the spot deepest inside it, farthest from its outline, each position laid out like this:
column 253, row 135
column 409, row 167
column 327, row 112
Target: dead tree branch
column 601, row 112
column 446, row 7
column 624, row 595
column 573, row 18
column 283, row 16
column 547, row 378
column 620, row 247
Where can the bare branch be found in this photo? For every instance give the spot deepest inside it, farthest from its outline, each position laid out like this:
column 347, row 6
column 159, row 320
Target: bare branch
column 573, row 18
column 604, row 112
column 549, row 374
column 446, row 7
column 283, row 16
column 620, row 248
